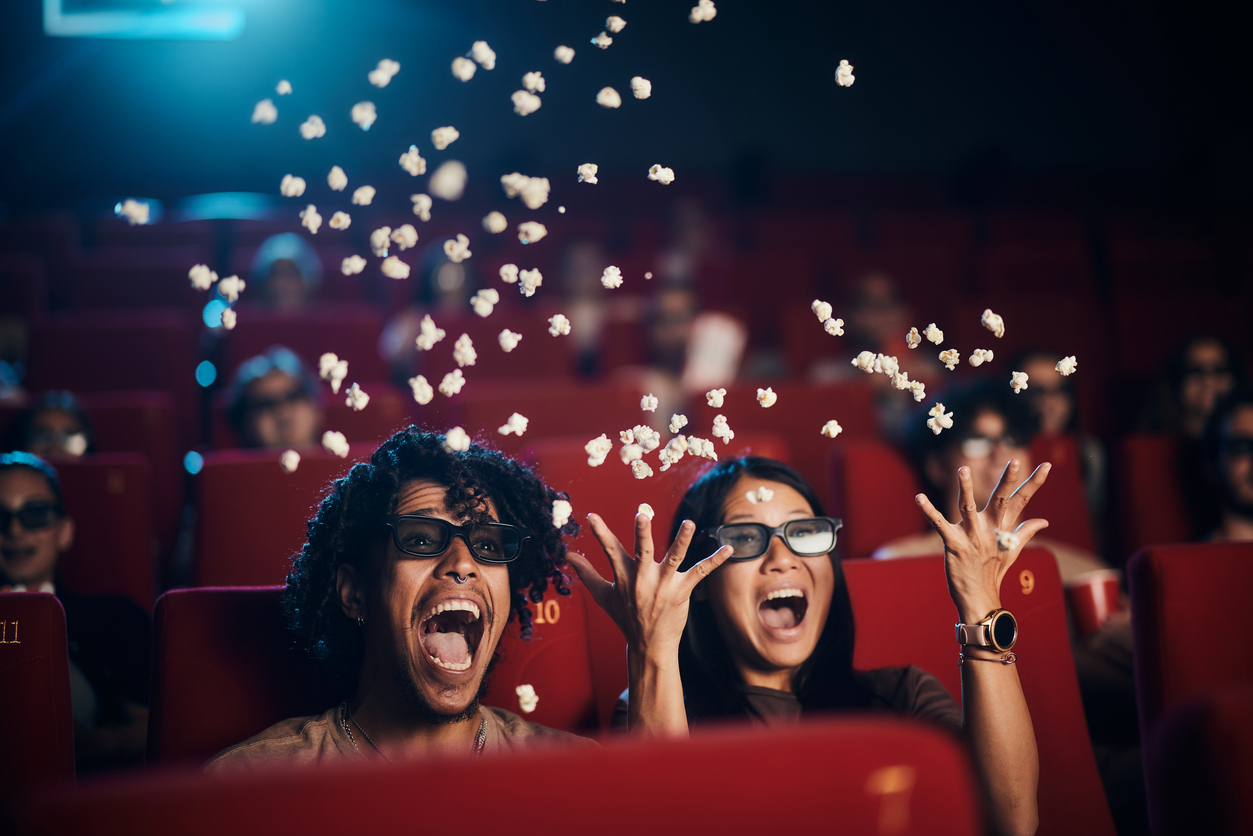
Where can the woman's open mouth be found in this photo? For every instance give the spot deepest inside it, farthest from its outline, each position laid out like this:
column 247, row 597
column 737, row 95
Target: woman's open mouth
column 450, row 634
column 783, row 610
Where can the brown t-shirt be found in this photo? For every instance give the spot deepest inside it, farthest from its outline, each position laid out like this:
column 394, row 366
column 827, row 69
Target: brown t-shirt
column 312, row 741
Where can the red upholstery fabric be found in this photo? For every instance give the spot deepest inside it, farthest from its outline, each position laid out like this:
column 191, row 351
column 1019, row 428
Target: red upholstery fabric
column 1063, row 500
column 865, row 776
column 110, row 497
column 874, row 488
column 904, row 616
column 37, row 737
column 387, row 412
column 143, row 276
column 1153, row 508
column 350, row 331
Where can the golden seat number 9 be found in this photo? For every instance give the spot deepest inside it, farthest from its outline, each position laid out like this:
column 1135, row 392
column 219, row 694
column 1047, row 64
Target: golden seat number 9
column 1027, row 580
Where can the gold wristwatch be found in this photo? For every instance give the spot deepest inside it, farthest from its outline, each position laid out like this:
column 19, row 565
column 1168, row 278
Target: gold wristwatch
column 999, row 631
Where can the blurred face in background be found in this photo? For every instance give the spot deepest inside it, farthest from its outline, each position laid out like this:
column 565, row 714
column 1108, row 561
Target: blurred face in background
column 986, row 452
column 279, row 413
column 1237, row 461
column 1207, row 377
column 1051, row 396
column 29, row 551
column 669, row 327
column 877, row 314
column 56, row 432
column 284, row 286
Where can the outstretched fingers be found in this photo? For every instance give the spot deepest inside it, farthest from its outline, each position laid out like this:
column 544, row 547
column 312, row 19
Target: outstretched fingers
column 932, row 513
column 1025, row 492
column 596, row 585
column 618, row 558
column 678, row 549
column 701, row 570
column 966, row 495
column 1004, row 490
column 644, row 538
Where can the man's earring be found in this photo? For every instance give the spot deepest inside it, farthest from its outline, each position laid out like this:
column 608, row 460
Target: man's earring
column 361, row 621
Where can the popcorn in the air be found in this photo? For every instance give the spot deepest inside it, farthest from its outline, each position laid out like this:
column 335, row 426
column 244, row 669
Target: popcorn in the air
column 516, row 425
column 834, row 327
column 421, row 206
column 993, row 322
column 844, row 74
column 661, row 174
column 598, row 449
column 641, row 469
column 528, row 280
column 980, row 356
column 335, row 443
column 641, row 87
column 1006, row 541
column 291, row 186
column 561, row 515
column 381, row 75
column 900, row 380
column 265, row 112
column 337, row 179
column 412, row 162
column 865, row 361
column 533, row 190
column 363, row 196
column 340, row 220
column 429, row 334
column 702, row 447
column 934, row 334
column 558, row 325
column 452, row 383
column 229, row 319
column 289, row 461
column 483, row 54
column 457, row 250
column 449, row 181
column 533, row 82
column 1018, row 382
column 423, row 393
column 441, row 138
column 313, row 127
column 394, row 268
column 672, row 452
column 527, row 700
column 587, row 173
column 357, row 399
column 821, row 309
column 508, row 340
column 646, row 437
column 602, row 40
column 463, row 351
column 202, row 278
column 886, row 364
column 762, row 494
column 135, row 211
column 364, row 114
column 231, row 287
column 766, row 397
column 950, row 358
column 509, row 273
column 939, row 420
column 1066, row 366
column 564, row 54
column 714, row 397
column 677, row 422
column 283, row 88
column 463, row 68
column 531, row 231
column 646, row 510
column 484, row 301
column 615, row 24
column 832, row 428
column 631, row 452
column 456, row 440
column 608, row 98
column 381, row 241
column 703, row 11
column 333, row 369
column 722, row 430
column 525, row 103
column 405, row 237
column 919, row 390
column 648, row 403
column 495, row 223
column 611, row 278
column 913, row 339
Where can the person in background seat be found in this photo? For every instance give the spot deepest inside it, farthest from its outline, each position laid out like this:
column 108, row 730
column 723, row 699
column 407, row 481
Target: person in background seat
column 275, row 402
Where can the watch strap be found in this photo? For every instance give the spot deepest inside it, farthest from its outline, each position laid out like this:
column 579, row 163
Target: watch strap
column 974, row 634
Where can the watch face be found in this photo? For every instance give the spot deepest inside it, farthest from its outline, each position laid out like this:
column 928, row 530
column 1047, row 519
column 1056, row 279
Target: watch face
column 1004, row 630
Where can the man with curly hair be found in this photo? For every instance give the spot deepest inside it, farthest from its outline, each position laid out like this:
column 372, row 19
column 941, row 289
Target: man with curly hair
column 413, row 565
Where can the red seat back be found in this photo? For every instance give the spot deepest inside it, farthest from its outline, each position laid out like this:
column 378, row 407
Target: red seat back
column 38, row 739
column 350, row 331
column 1063, row 499
column 1071, row 798
column 1151, row 492
column 874, row 489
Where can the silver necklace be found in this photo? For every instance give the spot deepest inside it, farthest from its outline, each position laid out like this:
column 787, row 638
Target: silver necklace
column 480, row 738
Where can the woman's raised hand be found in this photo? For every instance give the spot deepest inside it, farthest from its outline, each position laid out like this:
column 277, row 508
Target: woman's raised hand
column 973, row 561
column 647, row 599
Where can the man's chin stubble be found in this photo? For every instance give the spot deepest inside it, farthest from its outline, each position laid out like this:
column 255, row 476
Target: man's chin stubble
column 429, row 714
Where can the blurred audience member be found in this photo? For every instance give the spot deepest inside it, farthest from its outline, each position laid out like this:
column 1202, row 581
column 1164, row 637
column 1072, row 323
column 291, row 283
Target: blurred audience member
column 691, row 240
column 54, row 425
column 442, row 289
column 1228, row 448
column 109, row 638
column 285, row 272
column 586, row 302
column 275, row 402
column 1202, row 371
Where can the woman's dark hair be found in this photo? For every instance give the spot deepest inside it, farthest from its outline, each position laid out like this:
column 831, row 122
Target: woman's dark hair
column 20, row 433
column 348, row 529
column 275, row 358
column 825, row 680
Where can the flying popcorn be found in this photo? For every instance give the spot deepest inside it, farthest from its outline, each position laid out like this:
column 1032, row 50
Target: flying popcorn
column 441, row 138
column 885, row 364
column 292, row 186
column 456, row 440
column 381, row 241
column 313, row 127
column 531, row 231
column 526, row 693
column 714, row 397
column 672, row 452
column 484, row 301
column 337, row 179
column 202, row 278
column 289, row 461
column 364, row 114
column 641, row 87
column 335, row 443
column 561, row 515
column 508, row 340
column 463, row 68
column 1066, row 366
column 913, row 339
column 265, row 112
column 598, row 449
column 463, row 351
column 563, row 54
column 457, row 250
column 821, row 309
column 516, row 425
column 422, row 391
column 558, row 325
column 611, row 278
column 528, row 280
column 533, row 190
column 844, row 74
column 762, row 494
column 900, row 380
column 615, row 24
column 662, row 175
column 495, row 223
column 993, row 322
column 865, row 361
column 533, row 82
column 363, row 196
column 135, row 212
column 933, row 334
column 643, row 435
column 603, row 41
column 357, row 399
column 229, row 319
column 587, row 173
column 1006, row 541
column 646, row 510
column 525, row 103
column 283, row 88
column 919, row 390
column 834, row 327
column 939, row 420
column 394, row 268
column 648, row 403
column 832, row 428
column 449, row 181
column 722, row 430
column 641, row 469
column 979, row 356
column 677, row 422
column 509, row 273
column 630, row 453
column 483, row 55
column 421, row 206
column 766, row 397
column 703, row 11
column 231, row 287
column 405, row 237
column 412, row 162
column 950, row 358
column 332, row 369
column 702, row 447
column 381, row 76
column 452, row 383
column 1018, row 382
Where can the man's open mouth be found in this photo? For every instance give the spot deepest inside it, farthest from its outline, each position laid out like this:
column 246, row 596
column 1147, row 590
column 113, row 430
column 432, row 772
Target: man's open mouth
column 783, row 609
column 450, row 634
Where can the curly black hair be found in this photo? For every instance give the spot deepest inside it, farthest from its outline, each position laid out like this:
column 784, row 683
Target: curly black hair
column 348, row 529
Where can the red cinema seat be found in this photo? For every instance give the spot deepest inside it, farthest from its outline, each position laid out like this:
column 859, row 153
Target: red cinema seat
column 1153, row 506
column 1071, row 798
column 1063, row 499
column 110, row 497
column 538, row 356
column 349, row 331
column 863, row 776
column 38, row 739
column 874, row 488
column 387, row 412
column 136, row 276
